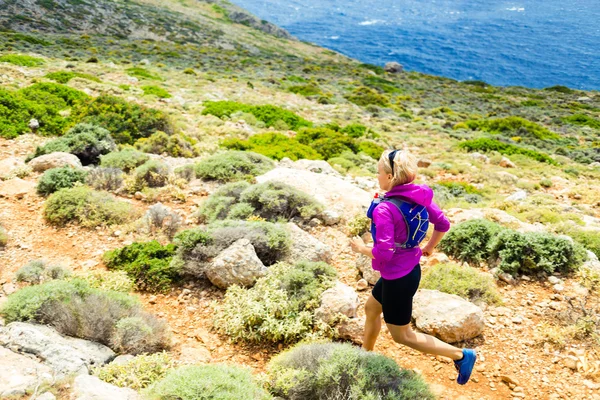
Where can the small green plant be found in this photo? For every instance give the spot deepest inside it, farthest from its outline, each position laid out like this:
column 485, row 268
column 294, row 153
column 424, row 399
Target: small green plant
column 487, row 145
column 138, row 373
column 233, row 166
column 365, row 96
column 470, row 241
column 86, row 207
column 115, row 281
column 126, row 160
column 268, row 114
column 214, row 381
column 273, row 145
column 511, row 126
column 279, row 307
column 337, row 370
column 151, row 174
column 22, row 60
column 305, row 90
column 148, row 264
column 150, row 90
column 546, row 183
column 465, row 282
column 359, row 225
column 582, row 120
column 143, row 73
column 109, row 179
column 65, row 76
column 39, row 271
column 60, row 178
column 588, row 239
column 178, row 145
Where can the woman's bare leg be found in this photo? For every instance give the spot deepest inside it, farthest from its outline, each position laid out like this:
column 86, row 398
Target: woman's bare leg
column 423, row 342
column 372, row 323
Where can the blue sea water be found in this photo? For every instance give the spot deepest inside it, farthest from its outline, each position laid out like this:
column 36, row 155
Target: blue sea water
column 532, row 43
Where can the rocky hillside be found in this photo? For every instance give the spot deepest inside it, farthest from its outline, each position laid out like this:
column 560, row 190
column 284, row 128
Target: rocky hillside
column 179, row 182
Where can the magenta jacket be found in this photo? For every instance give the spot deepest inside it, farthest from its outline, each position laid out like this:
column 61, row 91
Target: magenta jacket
column 392, row 262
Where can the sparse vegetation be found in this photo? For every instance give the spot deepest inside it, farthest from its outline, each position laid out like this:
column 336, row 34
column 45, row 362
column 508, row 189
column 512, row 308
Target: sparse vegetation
column 138, row 373
column 60, row 178
column 269, row 114
column 126, row 159
column 233, row 166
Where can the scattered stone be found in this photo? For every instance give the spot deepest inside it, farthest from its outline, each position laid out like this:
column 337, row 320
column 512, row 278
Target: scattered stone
column 18, row 374
column 558, row 288
column 423, row 163
column 519, row 195
column 9, row 288
column 34, row 125
column 16, row 188
column 505, row 277
column 352, row 329
column 554, row 280
column 571, row 362
column 509, row 380
column 447, row 316
column 65, row 355
column 480, row 157
column 87, row 387
column 363, row 264
column 54, row 160
column 340, row 299
column 304, row 246
column 393, row 67
column 330, row 217
column 436, row 258
column 506, row 163
column 362, row 284
column 236, row 265
column 194, row 355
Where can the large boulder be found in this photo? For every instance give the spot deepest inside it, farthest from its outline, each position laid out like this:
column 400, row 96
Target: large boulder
column 340, row 299
column 19, row 373
column 236, row 265
column 363, row 263
column 64, row 355
column 447, row 316
column 335, row 193
column 86, row 387
column 16, row 188
column 54, row 160
column 305, row 246
column 393, row 67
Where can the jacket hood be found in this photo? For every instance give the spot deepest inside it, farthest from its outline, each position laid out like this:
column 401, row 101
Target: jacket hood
column 413, row 193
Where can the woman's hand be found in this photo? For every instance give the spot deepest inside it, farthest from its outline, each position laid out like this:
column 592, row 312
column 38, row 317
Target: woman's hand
column 427, row 250
column 357, row 244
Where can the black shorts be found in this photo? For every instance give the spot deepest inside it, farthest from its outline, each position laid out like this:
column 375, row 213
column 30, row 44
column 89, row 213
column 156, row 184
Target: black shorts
column 396, row 296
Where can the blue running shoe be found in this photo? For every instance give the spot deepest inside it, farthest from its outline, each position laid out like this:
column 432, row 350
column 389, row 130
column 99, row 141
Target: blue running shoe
column 465, row 366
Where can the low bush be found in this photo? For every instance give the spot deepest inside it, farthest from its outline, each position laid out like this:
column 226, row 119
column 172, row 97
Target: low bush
column 341, row 371
column 359, row 225
column 512, row 126
column 178, row 145
column 127, row 122
column 214, row 381
column 588, row 239
column 86, row 207
column 110, row 179
column 22, row 60
column 533, row 252
column 66, row 76
column 359, row 164
column 279, row 307
column 150, row 90
column 163, row 219
column 142, row 73
column 54, row 93
column 39, row 271
column 126, row 159
column 60, row 178
column 373, row 150
column 273, row 145
column 272, row 201
column 137, row 373
column 465, row 282
column 75, row 309
column 268, row 114
column 487, row 145
column 327, row 142
column 233, row 166
column 87, row 142
column 116, row 281
column 470, row 241
column 151, row 174
column 365, row 96
column 186, row 172
column 148, row 264
column 582, row 120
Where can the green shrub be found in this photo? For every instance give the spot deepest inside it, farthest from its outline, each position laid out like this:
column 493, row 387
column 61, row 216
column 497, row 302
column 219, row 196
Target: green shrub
column 126, row 122
column 533, row 252
column 156, row 91
column 582, row 120
column 137, row 373
column 273, row 145
column 279, row 307
column 486, row 145
column 151, row 174
column 469, row 241
column 148, row 264
column 219, row 203
column 75, row 309
column 268, row 114
column 66, row 76
column 22, row 60
column 87, row 142
column 233, row 166
column 55, row 93
column 126, row 159
column 142, row 73
column 560, row 89
column 60, row 178
column 513, row 126
column 373, row 150
column 116, row 281
column 86, row 207
column 305, row 90
column 39, row 271
column 588, row 239
column 219, row 382
column 365, row 96
column 546, row 183
column 178, row 145
column 327, row 142
column 110, row 179
column 337, row 370
column 465, row 282
column 359, row 225
column 355, row 130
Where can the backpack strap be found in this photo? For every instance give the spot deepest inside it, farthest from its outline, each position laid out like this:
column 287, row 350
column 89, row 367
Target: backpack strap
column 416, row 221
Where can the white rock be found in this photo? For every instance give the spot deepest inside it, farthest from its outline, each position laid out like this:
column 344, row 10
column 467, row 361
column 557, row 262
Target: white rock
column 506, row 163
column 330, row 217
column 393, row 67
column 54, row 160
column 519, row 195
column 363, row 263
column 65, row 355
column 352, row 329
column 553, row 280
column 362, row 284
column 86, row 387
column 236, row 265
column 340, row 299
column 305, row 247
column 447, row 316
column 480, row 157
column 19, row 373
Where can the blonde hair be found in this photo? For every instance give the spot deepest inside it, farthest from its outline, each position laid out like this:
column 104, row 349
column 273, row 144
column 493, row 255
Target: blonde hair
column 405, row 166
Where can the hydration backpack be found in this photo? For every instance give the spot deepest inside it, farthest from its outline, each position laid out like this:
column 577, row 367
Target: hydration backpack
column 416, row 219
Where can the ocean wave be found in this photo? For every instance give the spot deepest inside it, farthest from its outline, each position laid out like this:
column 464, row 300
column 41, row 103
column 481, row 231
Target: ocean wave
column 517, row 9
column 371, row 22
